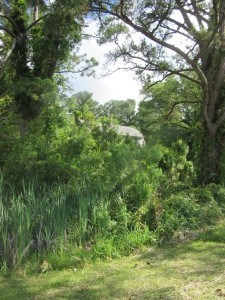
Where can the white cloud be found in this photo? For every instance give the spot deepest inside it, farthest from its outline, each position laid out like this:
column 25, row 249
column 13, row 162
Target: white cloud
column 119, row 86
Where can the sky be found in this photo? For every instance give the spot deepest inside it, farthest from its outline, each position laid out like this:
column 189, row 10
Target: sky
column 121, row 85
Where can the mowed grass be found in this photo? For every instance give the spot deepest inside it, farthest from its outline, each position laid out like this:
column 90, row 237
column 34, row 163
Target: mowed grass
column 187, row 270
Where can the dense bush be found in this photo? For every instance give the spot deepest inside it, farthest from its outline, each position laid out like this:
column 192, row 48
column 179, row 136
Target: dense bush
column 79, row 190
column 178, row 212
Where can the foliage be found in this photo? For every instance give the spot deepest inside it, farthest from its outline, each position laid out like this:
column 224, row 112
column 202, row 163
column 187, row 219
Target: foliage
column 70, row 185
column 178, row 212
column 123, row 111
column 81, row 100
column 215, row 234
column 42, row 47
column 155, row 56
column 171, row 110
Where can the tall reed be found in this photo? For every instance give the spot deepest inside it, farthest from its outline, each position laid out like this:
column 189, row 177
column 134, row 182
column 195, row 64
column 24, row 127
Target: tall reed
column 39, row 218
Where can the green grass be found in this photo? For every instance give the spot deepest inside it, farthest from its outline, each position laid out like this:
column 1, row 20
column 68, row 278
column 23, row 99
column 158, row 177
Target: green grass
column 215, row 234
column 191, row 270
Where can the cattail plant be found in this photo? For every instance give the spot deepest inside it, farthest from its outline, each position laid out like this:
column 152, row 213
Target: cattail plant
column 38, row 218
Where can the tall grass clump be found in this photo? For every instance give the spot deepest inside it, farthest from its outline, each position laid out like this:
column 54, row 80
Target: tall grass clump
column 39, row 219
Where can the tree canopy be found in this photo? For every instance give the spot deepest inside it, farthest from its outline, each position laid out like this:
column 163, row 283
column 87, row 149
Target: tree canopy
column 184, row 38
column 122, row 110
column 39, row 40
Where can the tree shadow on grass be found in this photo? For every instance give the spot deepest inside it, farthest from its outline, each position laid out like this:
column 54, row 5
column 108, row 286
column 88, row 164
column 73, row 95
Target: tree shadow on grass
column 106, row 292
column 14, row 289
column 167, row 293
column 113, row 281
column 207, row 257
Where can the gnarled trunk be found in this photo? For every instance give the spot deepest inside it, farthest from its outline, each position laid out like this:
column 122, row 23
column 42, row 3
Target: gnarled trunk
column 210, row 156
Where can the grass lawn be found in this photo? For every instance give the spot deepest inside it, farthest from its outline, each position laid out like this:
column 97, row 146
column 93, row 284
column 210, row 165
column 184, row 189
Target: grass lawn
column 190, row 270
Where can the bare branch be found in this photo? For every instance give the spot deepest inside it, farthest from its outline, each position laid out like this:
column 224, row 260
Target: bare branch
column 179, row 72
column 192, row 13
column 197, row 14
column 10, row 20
column 156, row 68
column 145, row 89
column 175, row 31
column 6, row 29
column 4, row 59
column 75, row 72
column 180, row 102
column 185, row 16
column 180, row 25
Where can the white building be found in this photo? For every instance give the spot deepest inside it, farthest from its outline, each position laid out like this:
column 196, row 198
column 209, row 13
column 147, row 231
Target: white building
column 132, row 132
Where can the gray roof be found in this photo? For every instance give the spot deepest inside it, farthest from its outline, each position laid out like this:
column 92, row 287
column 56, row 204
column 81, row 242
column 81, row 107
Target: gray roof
column 125, row 130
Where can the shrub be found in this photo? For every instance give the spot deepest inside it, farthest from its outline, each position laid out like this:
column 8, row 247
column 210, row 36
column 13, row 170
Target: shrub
column 178, row 212
column 210, row 213
column 138, row 192
column 211, row 199
column 147, row 214
column 218, row 192
column 203, row 195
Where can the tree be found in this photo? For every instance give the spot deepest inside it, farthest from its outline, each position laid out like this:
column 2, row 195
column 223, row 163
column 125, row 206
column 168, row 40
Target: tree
column 122, row 110
column 38, row 38
column 163, row 26
column 80, row 99
column 167, row 113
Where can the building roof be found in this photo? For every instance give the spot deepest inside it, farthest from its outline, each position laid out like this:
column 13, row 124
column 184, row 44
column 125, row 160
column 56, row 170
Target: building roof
column 126, row 130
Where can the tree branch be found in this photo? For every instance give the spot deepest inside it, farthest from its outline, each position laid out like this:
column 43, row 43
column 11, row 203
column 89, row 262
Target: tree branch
column 4, row 59
column 185, row 16
column 75, row 72
column 8, row 31
column 155, row 65
column 180, row 25
column 198, row 17
column 158, row 41
column 10, row 20
column 5, row 7
column 5, row 93
column 145, row 89
column 35, row 22
column 180, row 102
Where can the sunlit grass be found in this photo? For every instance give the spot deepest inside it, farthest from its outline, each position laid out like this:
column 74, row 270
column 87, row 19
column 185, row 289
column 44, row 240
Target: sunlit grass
column 193, row 270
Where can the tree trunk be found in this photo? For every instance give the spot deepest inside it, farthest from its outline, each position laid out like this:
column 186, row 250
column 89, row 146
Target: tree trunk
column 36, row 10
column 213, row 110
column 210, row 156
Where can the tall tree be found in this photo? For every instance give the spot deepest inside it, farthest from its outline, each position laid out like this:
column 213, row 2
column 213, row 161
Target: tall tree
column 168, row 107
column 122, row 110
column 80, row 99
column 38, row 38
column 182, row 37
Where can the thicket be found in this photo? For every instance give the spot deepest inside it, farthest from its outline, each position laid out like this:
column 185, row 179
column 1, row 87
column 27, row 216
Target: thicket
column 71, row 188
column 74, row 192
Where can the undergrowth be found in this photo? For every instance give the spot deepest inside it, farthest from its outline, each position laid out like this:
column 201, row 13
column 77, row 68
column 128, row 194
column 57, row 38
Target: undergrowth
column 45, row 227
